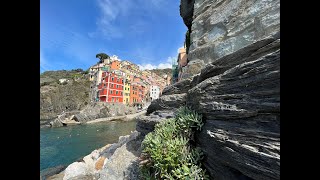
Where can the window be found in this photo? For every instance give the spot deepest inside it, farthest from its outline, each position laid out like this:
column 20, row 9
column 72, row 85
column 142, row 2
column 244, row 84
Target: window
column 128, row 89
column 116, row 92
column 111, row 92
column 111, row 85
column 117, row 86
column 112, row 79
column 121, row 93
column 117, row 80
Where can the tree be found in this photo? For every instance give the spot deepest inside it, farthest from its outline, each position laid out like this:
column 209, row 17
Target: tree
column 102, row 56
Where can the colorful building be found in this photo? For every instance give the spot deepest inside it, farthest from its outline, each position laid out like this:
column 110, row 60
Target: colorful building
column 125, row 63
column 182, row 61
column 115, row 65
column 154, row 92
column 134, row 96
column 126, row 91
column 141, row 89
column 111, row 87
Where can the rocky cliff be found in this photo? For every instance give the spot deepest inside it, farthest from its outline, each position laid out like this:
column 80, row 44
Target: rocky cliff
column 233, row 80
column 239, row 98
column 222, row 27
column 56, row 97
column 162, row 72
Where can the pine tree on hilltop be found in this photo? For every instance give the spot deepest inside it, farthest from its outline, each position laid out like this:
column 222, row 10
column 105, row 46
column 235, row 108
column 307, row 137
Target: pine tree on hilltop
column 102, row 56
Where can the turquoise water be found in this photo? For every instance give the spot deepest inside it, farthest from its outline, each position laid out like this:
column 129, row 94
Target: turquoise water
column 64, row 145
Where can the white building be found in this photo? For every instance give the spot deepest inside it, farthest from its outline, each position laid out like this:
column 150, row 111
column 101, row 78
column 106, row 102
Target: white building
column 63, row 80
column 154, row 92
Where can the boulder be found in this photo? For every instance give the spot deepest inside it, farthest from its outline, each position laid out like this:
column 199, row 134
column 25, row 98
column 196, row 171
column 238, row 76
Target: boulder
column 76, row 169
column 167, row 102
column 56, row 123
column 123, row 164
column 178, row 88
column 145, row 124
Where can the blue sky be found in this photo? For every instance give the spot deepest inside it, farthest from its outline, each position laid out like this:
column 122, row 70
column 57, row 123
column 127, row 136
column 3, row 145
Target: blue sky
column 145, row 32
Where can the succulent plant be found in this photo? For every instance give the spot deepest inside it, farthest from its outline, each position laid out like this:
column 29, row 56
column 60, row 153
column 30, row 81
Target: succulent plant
column 167, row 153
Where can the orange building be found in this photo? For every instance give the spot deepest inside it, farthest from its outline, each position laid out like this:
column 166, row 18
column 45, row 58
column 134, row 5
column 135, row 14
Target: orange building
column 141, row 95
column 134, row 96
column 182, row 61
column 115, row 65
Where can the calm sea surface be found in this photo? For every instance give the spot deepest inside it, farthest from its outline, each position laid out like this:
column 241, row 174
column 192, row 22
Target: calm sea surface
column 64, row 145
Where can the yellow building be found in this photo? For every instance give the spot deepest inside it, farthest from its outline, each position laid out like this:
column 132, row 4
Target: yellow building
column 126, row 91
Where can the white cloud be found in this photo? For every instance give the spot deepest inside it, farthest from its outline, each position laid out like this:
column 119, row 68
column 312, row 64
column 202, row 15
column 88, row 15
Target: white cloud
column 164, row 66
column 112, row 10
column 167, row 64
column 147, row 66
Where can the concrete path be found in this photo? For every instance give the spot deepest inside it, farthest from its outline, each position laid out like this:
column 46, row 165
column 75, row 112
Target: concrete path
column 124, row 118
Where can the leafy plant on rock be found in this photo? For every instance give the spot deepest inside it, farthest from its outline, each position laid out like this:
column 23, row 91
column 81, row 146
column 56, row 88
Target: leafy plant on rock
column 167, row 152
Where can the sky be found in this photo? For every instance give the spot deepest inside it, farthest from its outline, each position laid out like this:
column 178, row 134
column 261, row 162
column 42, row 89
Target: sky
column 145, row 32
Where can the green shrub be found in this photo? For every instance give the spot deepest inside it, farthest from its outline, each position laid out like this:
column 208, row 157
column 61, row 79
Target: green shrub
column 167, row 152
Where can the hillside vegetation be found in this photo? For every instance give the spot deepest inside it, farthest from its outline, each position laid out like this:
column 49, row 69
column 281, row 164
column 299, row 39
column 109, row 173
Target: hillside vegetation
column 56, row 97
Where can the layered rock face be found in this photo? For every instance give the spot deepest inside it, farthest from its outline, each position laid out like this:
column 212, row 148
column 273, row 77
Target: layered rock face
column 233, row 80
column 221, row 27
column 239, row 97
column 56, row 98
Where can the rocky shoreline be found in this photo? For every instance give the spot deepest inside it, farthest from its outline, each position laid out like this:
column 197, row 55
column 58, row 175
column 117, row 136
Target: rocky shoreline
column 109, row 161
column 113, row 161
column 93, row 114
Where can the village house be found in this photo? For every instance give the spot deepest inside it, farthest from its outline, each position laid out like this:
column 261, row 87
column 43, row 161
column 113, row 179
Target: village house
column 111, row 87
